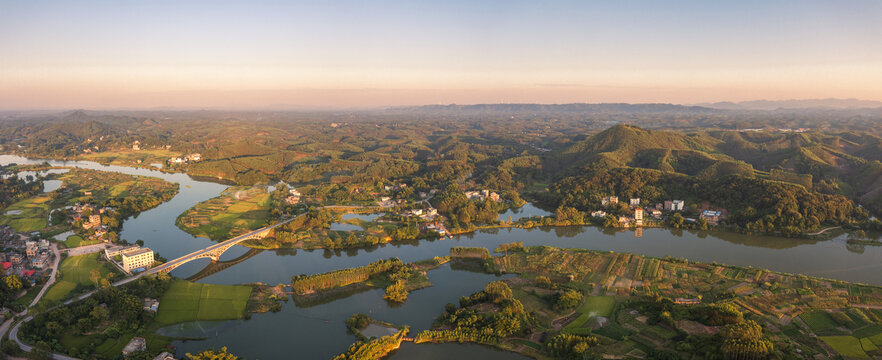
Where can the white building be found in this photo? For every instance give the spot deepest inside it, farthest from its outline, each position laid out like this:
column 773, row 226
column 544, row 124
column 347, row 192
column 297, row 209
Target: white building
column 112, row 251
column 609, row 200
column 635, row 202
column 142, row 258
column 677, row 205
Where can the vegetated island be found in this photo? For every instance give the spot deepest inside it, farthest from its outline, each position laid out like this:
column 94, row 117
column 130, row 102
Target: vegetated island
column 397, row 278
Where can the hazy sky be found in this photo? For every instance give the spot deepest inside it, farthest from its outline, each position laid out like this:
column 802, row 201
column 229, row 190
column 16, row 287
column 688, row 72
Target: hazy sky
column 129, row 54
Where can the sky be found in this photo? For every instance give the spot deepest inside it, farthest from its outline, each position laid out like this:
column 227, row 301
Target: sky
column 356, row 54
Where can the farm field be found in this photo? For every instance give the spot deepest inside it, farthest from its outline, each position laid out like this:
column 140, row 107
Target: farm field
column 818, row 320
column 848, row 346
column 76, row 271
column 634, row 305
column 27, row 215
column 236, row 211
column 129, row 157
column 188, row 301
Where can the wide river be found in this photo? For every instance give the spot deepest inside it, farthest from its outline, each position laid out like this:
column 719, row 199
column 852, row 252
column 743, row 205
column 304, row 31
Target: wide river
column 317, row 331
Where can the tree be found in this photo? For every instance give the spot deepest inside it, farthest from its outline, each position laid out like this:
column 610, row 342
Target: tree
column 95, row 276
column 212, row 354
column 676, row 221
column 396, row 292
column 568, row 300
column 498, row 291
column 12, row 282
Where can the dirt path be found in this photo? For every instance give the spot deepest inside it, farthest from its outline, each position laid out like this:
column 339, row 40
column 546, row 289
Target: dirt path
column 823, row 231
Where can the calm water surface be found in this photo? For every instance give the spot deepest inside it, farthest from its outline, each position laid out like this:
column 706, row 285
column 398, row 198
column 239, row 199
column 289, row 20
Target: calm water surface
column 317, row 330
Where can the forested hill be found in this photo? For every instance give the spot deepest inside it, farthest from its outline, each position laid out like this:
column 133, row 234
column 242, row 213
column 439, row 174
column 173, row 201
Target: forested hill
column 624, row 145
column 785, row 182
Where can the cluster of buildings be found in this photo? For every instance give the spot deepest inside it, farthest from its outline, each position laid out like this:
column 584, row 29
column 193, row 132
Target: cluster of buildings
column 483, row 194
column 138, row 344
column 428, row 214
column 387, row 201
column 640, row 213
column 91, row 219
column 22, row 256
column 131, row 258
column 395, row 187
column 436, row 226
column 151, row 305
column 293, row 197
column 194, row 157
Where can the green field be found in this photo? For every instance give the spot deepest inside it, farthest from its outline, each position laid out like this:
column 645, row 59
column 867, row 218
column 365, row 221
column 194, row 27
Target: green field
column 598, row 306
column 818, row 320
column 75, row 270
column 77, row 241
column 845, row 345
column 236, row 211
column 868, row 345
column 34, row 214
column 187, row 301
column 593, row 306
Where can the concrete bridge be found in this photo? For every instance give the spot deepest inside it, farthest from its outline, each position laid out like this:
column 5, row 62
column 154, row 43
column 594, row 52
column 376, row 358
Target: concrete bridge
column 214, row 252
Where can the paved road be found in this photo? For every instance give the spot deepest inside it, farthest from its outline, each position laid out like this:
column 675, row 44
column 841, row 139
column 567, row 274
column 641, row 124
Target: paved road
column 51, row 276
column 46, row 286
column 83, row 250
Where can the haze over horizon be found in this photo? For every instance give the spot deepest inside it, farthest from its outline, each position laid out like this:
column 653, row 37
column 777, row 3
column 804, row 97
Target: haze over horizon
column 338, row 54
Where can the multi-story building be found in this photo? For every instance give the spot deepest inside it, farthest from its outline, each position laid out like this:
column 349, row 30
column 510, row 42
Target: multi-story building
column 114, row 250
column 677, row 205
column 635, row 202
column 142, row 258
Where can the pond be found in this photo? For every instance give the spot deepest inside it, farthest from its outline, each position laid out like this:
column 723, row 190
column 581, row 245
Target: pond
column 526, row 211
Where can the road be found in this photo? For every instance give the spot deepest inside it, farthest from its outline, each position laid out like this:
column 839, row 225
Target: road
column 46, row 286
column 51, row 276
column 83, row 250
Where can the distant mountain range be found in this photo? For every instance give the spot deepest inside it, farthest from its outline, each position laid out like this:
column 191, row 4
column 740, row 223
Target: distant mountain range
column 655, row 108
column 560, row 108
column 794, row 104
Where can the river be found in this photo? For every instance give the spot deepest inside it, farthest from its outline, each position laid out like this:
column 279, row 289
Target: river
column 316, row 331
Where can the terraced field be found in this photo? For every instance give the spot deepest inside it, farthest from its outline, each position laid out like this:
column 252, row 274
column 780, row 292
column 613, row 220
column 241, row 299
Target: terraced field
column 236, row 211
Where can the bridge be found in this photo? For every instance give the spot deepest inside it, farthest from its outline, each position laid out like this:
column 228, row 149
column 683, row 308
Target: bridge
column 218, row 266
column 214, row 252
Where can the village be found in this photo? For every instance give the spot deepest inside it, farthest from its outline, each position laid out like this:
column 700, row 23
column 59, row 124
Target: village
column 652, row 216
column 26, row 257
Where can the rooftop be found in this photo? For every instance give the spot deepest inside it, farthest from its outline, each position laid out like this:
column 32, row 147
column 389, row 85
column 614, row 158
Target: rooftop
column 136, row 253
